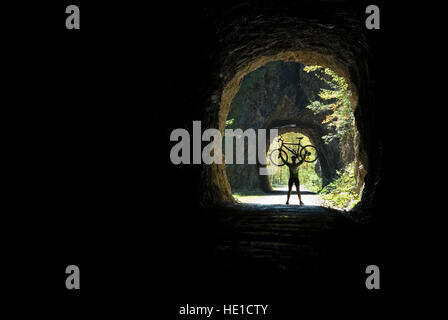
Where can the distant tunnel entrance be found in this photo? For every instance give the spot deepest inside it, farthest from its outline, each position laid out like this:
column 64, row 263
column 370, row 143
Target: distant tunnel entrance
column 310, row 173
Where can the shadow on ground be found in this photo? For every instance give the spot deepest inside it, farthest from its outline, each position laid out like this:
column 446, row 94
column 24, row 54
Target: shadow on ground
column 285, row 246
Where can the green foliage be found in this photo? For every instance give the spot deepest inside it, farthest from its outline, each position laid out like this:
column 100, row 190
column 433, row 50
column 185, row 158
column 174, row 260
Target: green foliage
column 339, row 117
column 340, row 193
column 229, row 123
column 309, row 178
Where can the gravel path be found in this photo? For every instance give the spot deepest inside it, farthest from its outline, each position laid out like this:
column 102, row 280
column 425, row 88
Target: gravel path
column 308, row 197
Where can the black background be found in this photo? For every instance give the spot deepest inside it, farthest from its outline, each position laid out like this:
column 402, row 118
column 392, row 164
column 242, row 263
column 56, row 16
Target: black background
column 77, row 108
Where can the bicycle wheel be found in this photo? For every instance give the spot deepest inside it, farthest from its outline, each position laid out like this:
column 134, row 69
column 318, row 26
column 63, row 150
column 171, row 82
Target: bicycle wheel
column 276, row 159
column 309, row 153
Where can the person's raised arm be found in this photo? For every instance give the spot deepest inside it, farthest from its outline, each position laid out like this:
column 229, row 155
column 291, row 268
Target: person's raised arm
column 303, row 159
column 283, row 159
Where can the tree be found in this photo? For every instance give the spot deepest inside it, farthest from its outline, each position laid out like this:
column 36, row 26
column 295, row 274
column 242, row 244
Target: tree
column 336, row 104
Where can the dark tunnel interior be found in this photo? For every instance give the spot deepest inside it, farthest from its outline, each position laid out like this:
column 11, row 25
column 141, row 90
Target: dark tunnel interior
column 232, row 42
column 108, row 155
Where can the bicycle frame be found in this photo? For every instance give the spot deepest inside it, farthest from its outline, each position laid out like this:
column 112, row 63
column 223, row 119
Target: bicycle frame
column 299, row 153
column 299, row 146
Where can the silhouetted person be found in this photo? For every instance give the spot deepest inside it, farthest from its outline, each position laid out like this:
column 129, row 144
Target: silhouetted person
column 293, row 176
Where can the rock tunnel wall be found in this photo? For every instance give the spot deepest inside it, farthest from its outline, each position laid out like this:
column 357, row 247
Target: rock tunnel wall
column 275, row 96
column 207, row 61
column 249, row 36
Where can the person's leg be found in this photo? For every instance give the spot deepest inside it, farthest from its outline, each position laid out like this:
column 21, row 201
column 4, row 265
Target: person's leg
column 297, row 183
column 290, row 183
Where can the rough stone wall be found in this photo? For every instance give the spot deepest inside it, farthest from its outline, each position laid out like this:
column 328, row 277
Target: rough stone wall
column 205, row 63
column 250, row 35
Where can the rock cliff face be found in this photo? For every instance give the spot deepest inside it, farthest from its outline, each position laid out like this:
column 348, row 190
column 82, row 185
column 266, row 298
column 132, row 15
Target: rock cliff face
column 275, row 96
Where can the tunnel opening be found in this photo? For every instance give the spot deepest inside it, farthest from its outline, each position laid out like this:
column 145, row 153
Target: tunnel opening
column 312, row 102
column 244, row 48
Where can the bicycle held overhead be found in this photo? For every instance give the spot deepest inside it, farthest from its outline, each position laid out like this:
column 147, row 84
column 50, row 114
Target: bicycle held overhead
column 307, row 153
